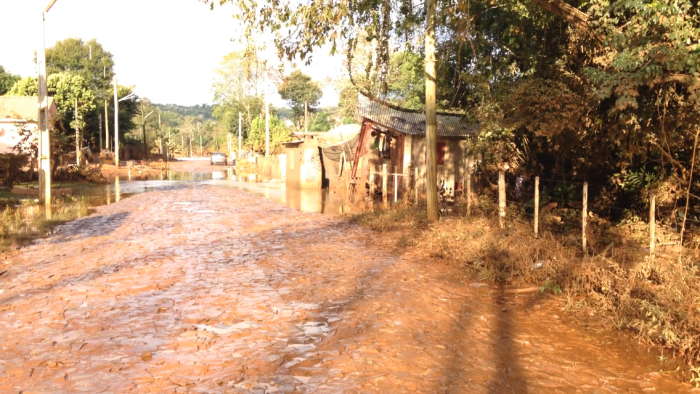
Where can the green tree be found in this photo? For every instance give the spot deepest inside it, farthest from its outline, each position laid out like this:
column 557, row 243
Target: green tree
column 300, row 92
column 65, row 88
column 237, row 87
column 278, row 135
column 7, row 80
column 406, row 80
column 87, row 59
column 320, row 121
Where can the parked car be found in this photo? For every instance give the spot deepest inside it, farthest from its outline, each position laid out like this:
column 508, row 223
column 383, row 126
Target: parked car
column 219, row 158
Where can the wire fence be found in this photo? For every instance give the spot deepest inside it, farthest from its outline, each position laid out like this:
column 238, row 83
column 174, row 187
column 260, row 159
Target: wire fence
column 568, row 205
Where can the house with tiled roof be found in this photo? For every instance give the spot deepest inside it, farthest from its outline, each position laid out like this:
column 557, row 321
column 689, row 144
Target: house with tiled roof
column 17, row 113
column 396, row 136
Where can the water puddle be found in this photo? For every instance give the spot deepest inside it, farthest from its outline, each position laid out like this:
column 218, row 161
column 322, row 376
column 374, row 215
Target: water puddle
column 305, row 200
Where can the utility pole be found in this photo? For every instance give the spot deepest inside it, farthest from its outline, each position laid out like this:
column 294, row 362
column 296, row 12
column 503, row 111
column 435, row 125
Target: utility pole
column 44, row 163
column 116, row 125
column 143, row 131
column 306, row 116
column 160, row 135
column 267, row 129
column 99, row 122
column 77, row 135
column 106, row 128
column 431, row 113
column 200, row 139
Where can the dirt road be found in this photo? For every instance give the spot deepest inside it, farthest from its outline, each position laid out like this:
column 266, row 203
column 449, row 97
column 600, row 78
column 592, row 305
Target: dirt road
column 199, row 288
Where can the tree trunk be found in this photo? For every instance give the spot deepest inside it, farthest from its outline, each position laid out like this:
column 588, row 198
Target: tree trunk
column 431, row 113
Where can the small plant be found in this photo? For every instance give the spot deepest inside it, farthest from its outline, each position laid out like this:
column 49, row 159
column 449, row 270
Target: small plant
column 695, row 379
column 553, row 287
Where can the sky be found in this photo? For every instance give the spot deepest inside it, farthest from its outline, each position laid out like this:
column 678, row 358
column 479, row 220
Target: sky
column 167, row 49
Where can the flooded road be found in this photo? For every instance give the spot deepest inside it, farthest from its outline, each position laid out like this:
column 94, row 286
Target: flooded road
column 201, row 287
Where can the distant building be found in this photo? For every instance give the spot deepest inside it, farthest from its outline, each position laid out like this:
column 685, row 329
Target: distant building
column 17, row 113
column 396, row 136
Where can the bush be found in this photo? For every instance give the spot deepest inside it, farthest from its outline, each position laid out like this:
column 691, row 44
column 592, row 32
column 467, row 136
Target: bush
column 11, row 167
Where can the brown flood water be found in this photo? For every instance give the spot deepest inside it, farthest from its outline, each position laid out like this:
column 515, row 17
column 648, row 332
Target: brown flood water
column 201, row 287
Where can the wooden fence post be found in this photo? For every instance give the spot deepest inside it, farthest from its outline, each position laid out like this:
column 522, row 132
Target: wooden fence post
column 652, row 223
column 396, row 187
column 501, row 198
column 584, row 216
column 469, row 193
column 385, row 183
column 537, row 206
column 406, row 185
column 415, row 183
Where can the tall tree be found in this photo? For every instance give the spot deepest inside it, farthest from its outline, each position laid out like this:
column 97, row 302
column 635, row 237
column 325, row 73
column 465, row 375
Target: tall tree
column 301, row 93
column 85, row 58
column 7, row 80
column 238, row 87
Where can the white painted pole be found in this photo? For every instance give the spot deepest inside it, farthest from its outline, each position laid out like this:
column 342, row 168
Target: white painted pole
column 106, row 127
column 44, row 160
column 267, row 129
column 116, row 125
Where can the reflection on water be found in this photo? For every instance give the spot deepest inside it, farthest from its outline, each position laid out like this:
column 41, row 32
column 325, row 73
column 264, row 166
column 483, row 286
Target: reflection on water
column 306, row 200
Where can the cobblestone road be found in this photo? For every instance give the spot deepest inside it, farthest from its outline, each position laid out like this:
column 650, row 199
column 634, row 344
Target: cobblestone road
column 210, row 289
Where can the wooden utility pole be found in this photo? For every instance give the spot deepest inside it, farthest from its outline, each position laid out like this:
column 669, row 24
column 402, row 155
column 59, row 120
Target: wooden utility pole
column 502, row 198
column 652, row 222
column 584, row 216
column 385, row 182
column 469, row 193
column 537, row 206
column 431, row 113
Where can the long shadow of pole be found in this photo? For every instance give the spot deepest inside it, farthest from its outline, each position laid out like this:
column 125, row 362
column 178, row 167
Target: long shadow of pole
column 508, row 376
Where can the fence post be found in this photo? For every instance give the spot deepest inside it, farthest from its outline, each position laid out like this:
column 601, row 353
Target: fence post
column 415, row 183
column 371, row 184
column 406, row 184
column 652, row 223
column 501, row 198
column 537, row 207
column 396, row 187
column 584, row 216
column 469, row 193
column 385, row 183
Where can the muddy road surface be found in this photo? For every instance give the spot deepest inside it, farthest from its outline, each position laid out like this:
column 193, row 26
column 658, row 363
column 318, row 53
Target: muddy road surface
column 208, row 289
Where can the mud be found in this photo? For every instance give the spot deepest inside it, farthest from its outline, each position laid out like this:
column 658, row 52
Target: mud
column 204, row 288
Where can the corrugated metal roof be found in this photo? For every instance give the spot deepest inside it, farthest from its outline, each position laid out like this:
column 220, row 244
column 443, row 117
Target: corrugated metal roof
column 407, row 121
column 24, row 108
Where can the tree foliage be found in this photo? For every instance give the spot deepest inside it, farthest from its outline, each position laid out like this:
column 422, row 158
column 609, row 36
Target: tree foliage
column 87, row 59
column 278, row 135
column 7, row 80
column 299, row 90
